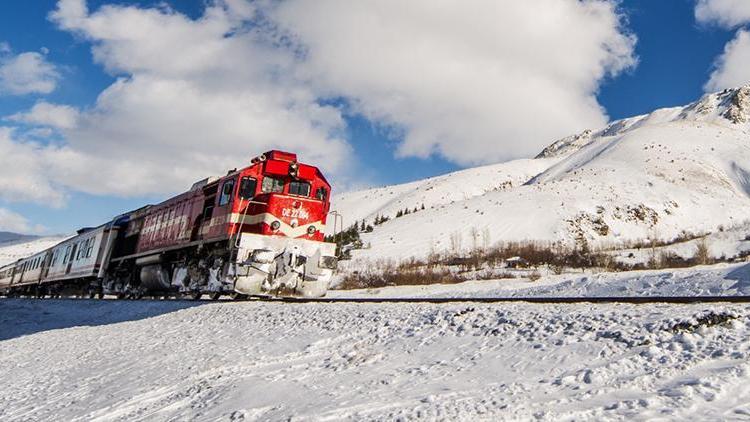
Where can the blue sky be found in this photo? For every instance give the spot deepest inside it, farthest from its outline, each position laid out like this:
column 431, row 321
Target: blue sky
column 673, row 59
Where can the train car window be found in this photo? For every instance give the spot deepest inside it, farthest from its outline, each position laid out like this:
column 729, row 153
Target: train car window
column 90, row 248
column 247, row 188
column 300, row 188
column 226, row 192
column 321, row 193
column 272, row 185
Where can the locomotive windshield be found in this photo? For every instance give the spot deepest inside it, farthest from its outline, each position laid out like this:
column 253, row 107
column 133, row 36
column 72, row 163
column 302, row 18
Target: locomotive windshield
column 272, row 185
column 300, row 188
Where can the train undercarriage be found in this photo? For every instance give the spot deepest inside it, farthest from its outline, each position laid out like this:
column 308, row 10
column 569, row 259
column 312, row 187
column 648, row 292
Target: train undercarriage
column 252, row 265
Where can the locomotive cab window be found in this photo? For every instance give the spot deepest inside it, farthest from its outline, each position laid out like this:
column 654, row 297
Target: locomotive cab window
column 247, row 188
column 321, row 193
column 300, row 188
column 272, row 185
column 226, row 192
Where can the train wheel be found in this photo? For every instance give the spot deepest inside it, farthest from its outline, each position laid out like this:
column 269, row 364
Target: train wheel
column 195, row 296
column 215, row 296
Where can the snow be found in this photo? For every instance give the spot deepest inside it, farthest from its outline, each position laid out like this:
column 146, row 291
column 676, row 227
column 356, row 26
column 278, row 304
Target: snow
column 158, row 361
column 709, row 280
column 437, row 191
column 658, row 176
column 13, row 251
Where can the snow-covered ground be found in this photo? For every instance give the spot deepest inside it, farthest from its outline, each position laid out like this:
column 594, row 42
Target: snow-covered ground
column 159, row 361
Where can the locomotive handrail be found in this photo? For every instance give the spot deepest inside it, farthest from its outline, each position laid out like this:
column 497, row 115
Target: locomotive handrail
column 244, row 213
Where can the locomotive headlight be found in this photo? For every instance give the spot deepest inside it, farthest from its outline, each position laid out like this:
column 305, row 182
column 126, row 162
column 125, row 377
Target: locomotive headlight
column 275, row 225
column 311, row 230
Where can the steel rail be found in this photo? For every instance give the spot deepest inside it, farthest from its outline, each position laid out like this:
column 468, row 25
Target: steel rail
column 636, row 300
column 535, row 299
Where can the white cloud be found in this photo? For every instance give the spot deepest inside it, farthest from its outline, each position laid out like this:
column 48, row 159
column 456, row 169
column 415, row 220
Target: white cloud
column 13, row 222
column 195, row 97
column 732, row 68
column 725, row 13
column 46, row 114
column 477, row 81
column 28, row 170
column 26, row 73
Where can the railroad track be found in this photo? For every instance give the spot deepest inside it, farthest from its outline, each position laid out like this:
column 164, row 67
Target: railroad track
column 438, row 300
column 543, row 300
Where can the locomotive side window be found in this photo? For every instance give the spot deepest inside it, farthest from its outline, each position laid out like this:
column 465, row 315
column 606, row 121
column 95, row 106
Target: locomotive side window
column 321, row 193
column 272, row 185
column 247, row 187
column 226, row 192
column 300, row 188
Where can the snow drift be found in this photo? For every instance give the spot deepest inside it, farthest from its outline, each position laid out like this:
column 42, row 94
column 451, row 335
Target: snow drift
column 167, row 361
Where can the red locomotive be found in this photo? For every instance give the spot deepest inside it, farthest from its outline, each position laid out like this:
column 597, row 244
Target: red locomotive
column 255, row 231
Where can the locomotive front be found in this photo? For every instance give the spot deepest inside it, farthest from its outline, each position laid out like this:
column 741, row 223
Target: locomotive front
column 277, row 228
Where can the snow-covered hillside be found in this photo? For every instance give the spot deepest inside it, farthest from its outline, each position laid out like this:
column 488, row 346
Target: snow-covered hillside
column 658, row 176
column 22, row 247
column 82, row 360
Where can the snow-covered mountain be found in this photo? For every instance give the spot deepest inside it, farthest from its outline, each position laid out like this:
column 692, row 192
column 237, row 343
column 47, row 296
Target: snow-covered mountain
column 15, row 246
column 9, row 238
column 655, row 176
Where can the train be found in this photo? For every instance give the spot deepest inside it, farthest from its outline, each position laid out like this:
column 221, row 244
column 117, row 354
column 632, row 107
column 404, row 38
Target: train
column 256, row 231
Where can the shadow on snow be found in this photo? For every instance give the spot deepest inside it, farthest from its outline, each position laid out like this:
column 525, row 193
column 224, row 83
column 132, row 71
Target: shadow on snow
column 20, row 317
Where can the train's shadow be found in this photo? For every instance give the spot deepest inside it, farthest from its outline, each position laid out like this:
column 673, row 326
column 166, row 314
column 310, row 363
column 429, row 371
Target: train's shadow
column 20, row 317
column 742, row 277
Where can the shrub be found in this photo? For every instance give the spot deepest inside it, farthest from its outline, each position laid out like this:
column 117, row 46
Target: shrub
column 702, row 253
